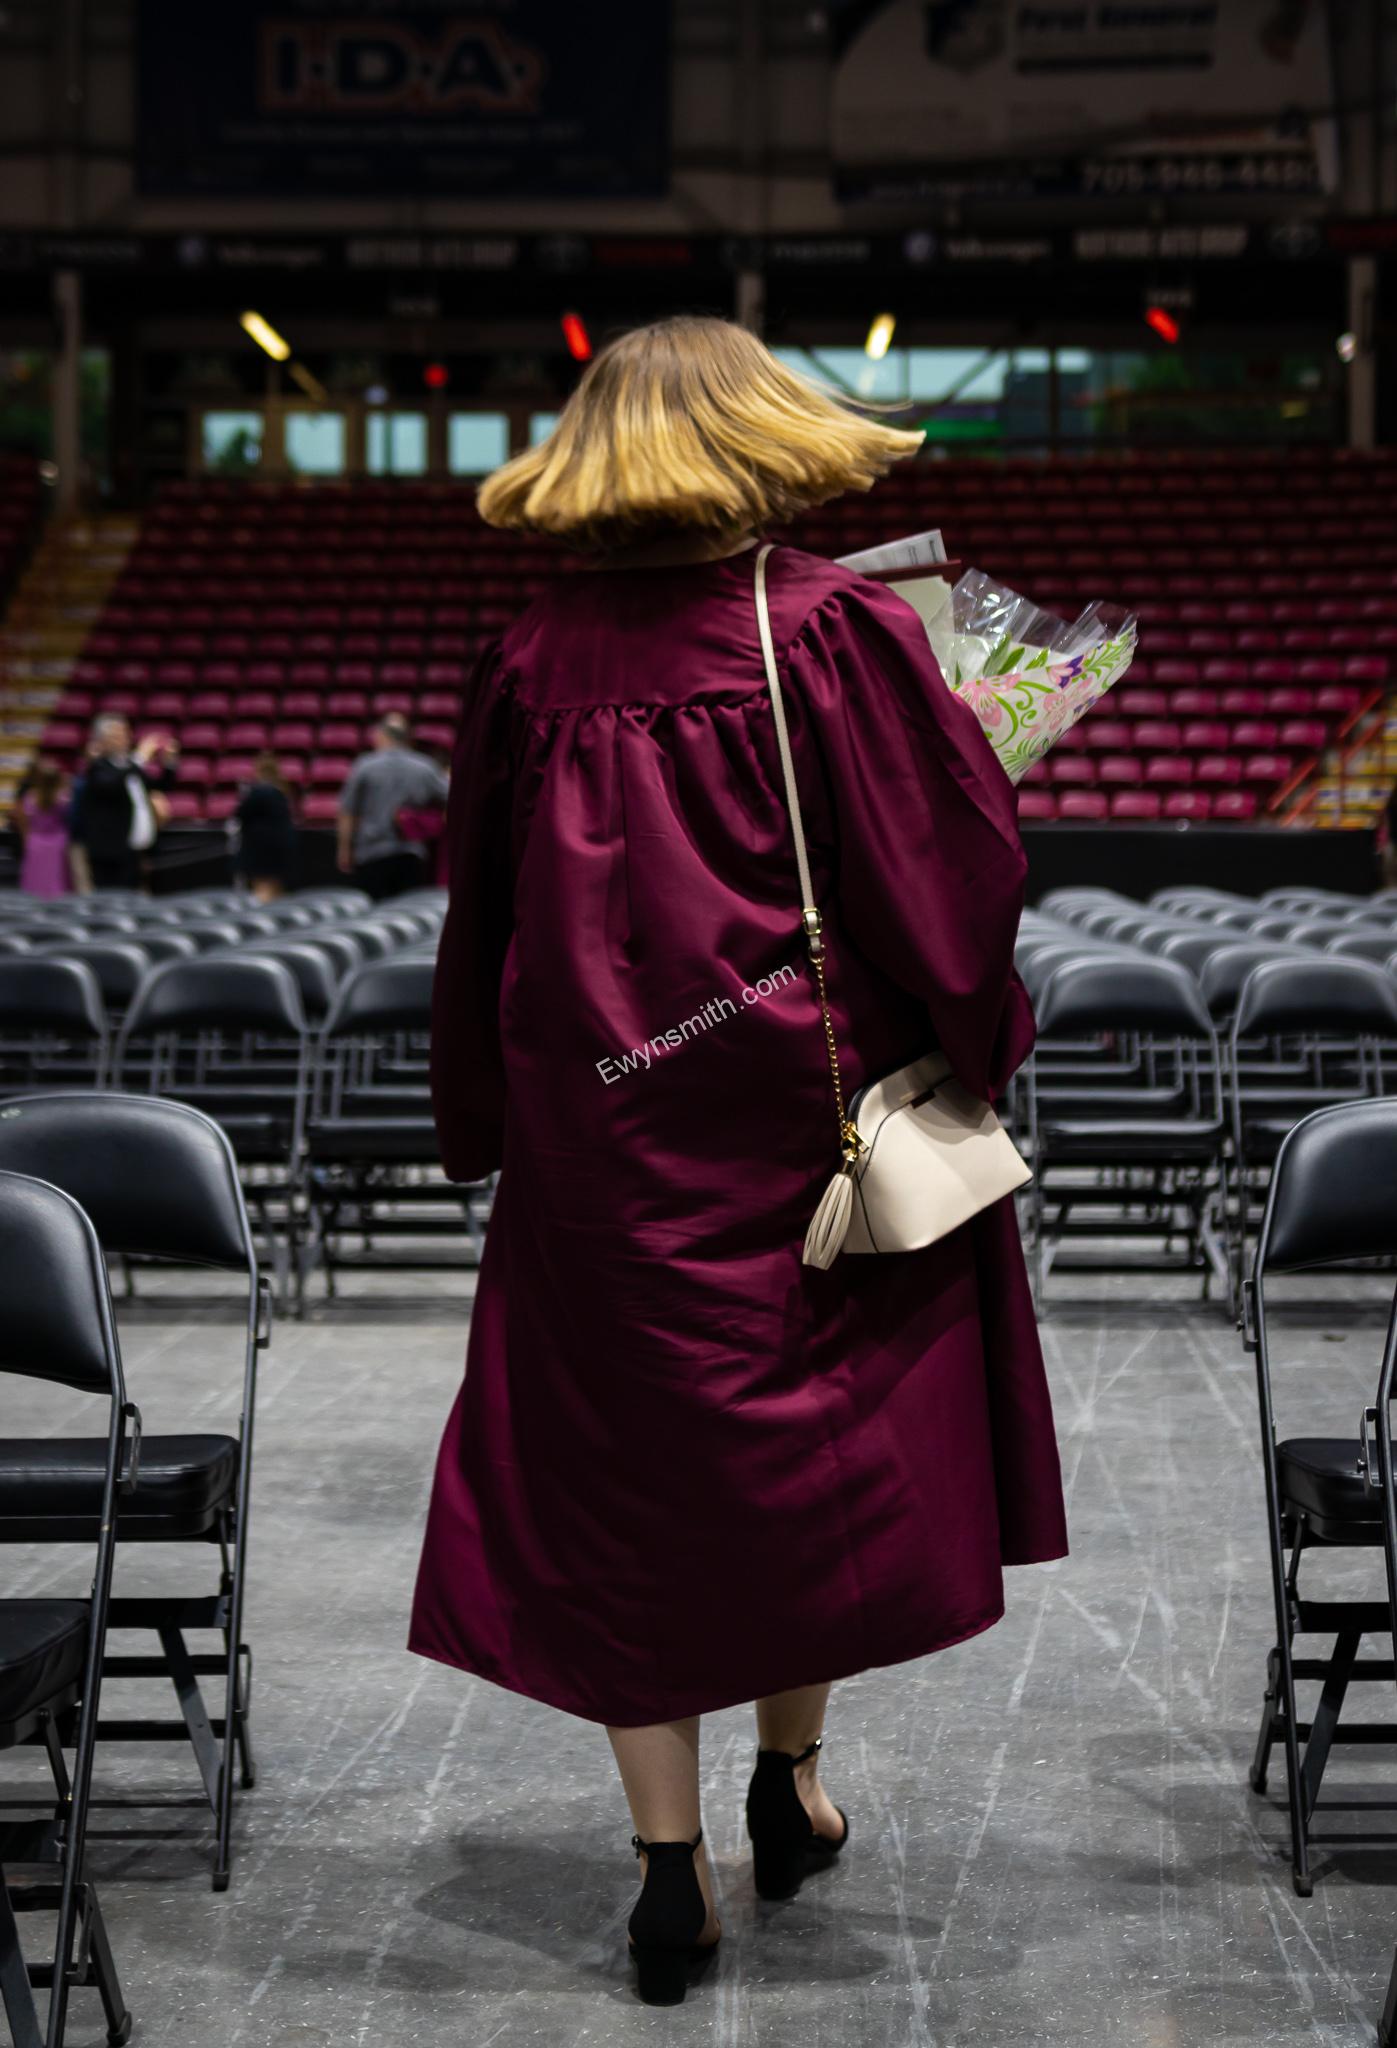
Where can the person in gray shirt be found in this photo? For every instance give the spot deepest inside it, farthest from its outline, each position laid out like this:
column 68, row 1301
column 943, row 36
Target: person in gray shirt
column 392, row 778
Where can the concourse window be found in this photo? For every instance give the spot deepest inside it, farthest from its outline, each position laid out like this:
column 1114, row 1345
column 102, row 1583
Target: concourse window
column 541, row 425
column 315, row 443
column 231, row 443
column 476, row 442
column 395, row 444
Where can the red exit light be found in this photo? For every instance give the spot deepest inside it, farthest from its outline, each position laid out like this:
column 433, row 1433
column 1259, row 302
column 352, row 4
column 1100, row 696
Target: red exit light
column 436, row 376
column 575, row 335
column 1163, row 323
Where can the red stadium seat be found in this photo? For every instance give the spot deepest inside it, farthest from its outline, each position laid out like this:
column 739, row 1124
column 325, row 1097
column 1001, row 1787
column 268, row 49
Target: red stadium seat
column 1084, row 805
column 1104, row 735
column 1372, row 669
column 1141, row 703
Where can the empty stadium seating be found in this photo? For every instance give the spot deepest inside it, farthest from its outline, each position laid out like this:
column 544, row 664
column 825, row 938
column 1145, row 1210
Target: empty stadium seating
column 291, row 617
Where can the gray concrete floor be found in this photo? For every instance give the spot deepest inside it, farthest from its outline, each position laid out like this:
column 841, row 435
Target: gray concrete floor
column 1052, row 1837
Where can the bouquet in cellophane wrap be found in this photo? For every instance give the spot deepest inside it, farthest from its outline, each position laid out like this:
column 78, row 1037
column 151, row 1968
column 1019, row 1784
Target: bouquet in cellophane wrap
column 1027, row 674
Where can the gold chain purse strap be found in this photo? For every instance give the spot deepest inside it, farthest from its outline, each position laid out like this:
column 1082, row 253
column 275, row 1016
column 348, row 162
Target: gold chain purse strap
column 850, row 1143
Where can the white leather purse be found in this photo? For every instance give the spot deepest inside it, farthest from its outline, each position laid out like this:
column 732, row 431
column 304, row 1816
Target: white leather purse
column 920, row 1154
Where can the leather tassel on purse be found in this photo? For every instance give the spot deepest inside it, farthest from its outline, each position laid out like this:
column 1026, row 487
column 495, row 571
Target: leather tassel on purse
column 829, row 1226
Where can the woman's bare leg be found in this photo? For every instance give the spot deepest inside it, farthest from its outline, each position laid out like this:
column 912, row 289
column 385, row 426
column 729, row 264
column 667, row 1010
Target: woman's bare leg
column 659, row 1770
column 791, row 1721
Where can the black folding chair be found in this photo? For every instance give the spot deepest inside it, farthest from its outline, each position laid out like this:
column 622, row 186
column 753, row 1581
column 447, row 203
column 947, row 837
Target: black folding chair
column 1332, row 1200
column 58, row 1326
column 316, row 968
column 120, row 965
column 372, row 1163
column 229, row 1036
column 53, row 1026
column 160, row 1182
column 1306, row 1033
column 1130, row 1145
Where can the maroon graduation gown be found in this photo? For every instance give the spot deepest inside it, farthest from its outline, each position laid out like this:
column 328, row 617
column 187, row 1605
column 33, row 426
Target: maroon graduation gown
column 685, row 1470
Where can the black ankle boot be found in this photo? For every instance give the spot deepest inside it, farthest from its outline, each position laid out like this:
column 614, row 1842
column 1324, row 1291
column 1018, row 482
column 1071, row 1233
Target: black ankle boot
column 667, row 1921
column 785, row 1847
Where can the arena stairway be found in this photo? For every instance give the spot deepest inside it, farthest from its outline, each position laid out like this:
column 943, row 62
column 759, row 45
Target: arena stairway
column 56, row 601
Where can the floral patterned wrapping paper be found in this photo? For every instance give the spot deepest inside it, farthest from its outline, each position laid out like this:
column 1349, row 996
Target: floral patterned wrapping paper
column 1027, row 707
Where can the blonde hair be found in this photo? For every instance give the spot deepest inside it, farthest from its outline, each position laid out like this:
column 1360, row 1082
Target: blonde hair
column 689, row 423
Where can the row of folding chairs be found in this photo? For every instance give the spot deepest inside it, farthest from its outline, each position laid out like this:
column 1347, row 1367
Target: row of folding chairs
column 86, row 1179
column 309, row 1045
column 329, row 1113
column 1164, row 1081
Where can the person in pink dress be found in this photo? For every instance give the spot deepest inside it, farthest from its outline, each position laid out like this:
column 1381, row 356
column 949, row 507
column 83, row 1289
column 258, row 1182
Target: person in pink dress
column 41, row 819
column 686, row 1470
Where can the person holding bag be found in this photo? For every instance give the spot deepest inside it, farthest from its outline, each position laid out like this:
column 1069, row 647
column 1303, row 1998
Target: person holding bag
column 754, row 1398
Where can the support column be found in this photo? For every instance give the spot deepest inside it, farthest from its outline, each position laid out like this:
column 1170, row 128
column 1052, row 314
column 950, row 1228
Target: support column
column 66, row 392
column 1363, row 370
column 749, row 306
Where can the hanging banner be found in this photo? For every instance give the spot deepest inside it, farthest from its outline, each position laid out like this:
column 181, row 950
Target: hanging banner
column 1104, row 98
column 326, row 98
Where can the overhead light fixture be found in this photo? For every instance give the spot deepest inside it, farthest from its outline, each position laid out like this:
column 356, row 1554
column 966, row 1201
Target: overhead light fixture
column 880, row 337
column 1163, row 323
column 577, row 338
column 1346, row 346
column 265, row 335
column 376, row 394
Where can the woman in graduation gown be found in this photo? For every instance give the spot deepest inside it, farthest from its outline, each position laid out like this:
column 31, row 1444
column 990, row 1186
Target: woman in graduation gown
column 685, row 1469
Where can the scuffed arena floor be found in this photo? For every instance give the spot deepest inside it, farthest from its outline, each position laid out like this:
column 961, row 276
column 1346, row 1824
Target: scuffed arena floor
column 1052, row 1837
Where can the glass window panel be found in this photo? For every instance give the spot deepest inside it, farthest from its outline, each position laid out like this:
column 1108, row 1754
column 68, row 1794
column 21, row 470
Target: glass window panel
column 1181, row 396
column 854, row 371
column 974, row 374
column 541, row 425
column 231, row 442
column 395, row 443
column 315, row 443
column 476, row 442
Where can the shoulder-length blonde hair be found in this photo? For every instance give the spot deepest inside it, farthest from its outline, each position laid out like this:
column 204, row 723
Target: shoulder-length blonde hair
column 689, row 423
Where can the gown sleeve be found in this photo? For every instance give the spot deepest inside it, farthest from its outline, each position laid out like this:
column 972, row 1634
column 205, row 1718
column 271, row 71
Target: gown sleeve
column 928, row 864
column 467, row 1065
